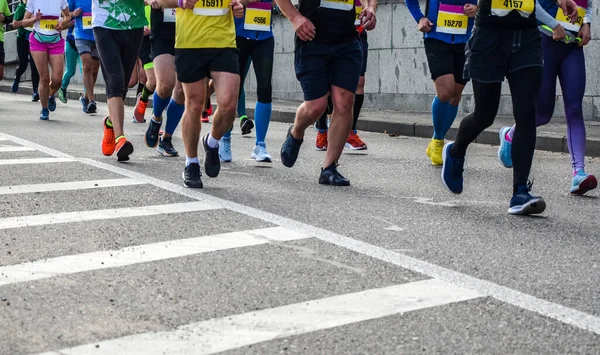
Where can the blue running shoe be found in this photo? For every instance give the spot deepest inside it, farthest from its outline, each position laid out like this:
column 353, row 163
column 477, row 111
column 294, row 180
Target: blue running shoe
column 260, row 154
column 15, row 86
column 166, row 149
column 290, row 149
column 52, row 103
column 505, row 150
column 152, row 133
column 225, row 150
column 35, row 97
column 583, row 182
column 452, row 170
column 522, row 203
column 45, row 114
column 84, row 104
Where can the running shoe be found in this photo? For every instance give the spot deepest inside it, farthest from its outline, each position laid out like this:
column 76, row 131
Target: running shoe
column 124, row 149
column 261, row 155
column 505, row 149
column 192, row 176
column 321, row 140
column 209, row 109
column 212, row 163
column 434, row 151
column 452, row 170
column 62, row 95
column 139, row 111
column 84, row 103
column 15, row 86
column 52, row 103
column 354, row 142
column 108, row 140
column 205, row 117
column 225, row 150
column 35, row 97
column 165, row 148
column 583, row 182
column 522, row 203
column 45, row 114
column 246, row 125
column 152, row 135
column 290, row 149
column 92, row 107
column 330, row 176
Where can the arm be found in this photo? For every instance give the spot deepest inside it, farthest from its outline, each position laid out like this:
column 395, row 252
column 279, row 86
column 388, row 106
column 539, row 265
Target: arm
column 544, row 17
column 415, row 9
column 170, row 4
column 303, row 27
column 18, row 17
column 585, row 32
column 66, row 20
column 367, row 16
column 588, row 13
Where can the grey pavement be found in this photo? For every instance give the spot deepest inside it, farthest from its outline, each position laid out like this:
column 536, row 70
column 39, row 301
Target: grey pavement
column 537, row 279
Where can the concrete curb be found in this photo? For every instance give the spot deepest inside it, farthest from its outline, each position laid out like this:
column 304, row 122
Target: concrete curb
column 545, row 141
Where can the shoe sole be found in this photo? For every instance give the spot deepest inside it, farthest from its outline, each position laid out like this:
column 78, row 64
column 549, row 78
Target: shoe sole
column 444, row 155
column 350, row 146
column 500, row 134
column 320, row 149
column 165, row 154
column 200, row 186
column 205, row 121
column 586, row 185
column 125, row 151
column 266, row 163
column 532, row 207
column 247, row 127
column 326, row 182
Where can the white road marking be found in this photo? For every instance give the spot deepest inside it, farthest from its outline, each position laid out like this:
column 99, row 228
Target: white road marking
column 137, row 254
column 516, row 298
column 232, row 332
column 93, row 215
column 67, row 186
column 13, row 148
column 394, row 228
column 34, row 161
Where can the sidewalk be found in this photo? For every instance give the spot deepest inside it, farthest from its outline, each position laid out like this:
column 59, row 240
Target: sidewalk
column 551, row 137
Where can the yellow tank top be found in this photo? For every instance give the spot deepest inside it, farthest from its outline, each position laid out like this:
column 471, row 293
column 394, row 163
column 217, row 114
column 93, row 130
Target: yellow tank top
column 196, row 29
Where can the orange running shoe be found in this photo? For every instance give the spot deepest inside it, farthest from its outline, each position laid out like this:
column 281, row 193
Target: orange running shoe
column 139, row 111
column 209, row 110
column 108, row 141
column 321, row 140
column 354, row 142
column 205, row 117
column 124, row 148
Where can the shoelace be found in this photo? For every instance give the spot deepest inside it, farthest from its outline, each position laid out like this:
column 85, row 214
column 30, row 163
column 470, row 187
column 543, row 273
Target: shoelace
column 529, row 184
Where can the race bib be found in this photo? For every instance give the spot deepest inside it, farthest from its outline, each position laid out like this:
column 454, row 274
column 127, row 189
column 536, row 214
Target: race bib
column 49, row 23
column 502, row 8
column 564, row 19
column 86, row 20
column 345, row 5
column 452, row 20
column 169, row 15
column 258, row 17
column 358, row 7
column 211, row 7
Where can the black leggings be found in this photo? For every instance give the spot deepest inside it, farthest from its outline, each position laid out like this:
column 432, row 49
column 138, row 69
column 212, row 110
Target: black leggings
column 524, row 88
column 261, row 53
column 24, row 58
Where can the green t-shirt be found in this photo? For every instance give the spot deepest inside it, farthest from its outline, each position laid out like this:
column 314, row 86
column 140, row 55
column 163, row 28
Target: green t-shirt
column 18, row 16
column 118, row 14
column 6, row 11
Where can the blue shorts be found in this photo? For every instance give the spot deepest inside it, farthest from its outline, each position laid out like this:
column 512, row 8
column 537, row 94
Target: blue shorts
column 321, row 65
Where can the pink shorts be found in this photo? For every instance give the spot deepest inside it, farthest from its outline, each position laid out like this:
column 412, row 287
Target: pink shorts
column 57, row 48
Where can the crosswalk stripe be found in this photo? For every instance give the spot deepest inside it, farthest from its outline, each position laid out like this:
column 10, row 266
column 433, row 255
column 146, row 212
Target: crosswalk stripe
column 68, row 186
column 80, row 216
column 232, row 332
column 35, row 161
column 137, row 254
column 13, row 148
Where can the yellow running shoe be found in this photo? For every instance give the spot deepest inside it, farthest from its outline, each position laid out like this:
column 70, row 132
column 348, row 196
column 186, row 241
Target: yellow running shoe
column 434, row 151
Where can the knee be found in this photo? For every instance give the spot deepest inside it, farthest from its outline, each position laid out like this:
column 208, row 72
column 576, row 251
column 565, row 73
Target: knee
column 194, row 104
column 344, row 104
column 445, row 94
column 316, row 108
column 165, row 89
column 574, row 111
column 265, row 94
column 228, row 109
column 178, row 95
column 45, row 80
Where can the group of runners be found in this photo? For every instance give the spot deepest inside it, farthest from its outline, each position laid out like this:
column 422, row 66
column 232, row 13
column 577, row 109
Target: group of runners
column 180, row 52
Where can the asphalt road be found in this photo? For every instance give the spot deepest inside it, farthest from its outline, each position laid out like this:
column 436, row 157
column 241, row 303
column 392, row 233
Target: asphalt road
column 98, row 257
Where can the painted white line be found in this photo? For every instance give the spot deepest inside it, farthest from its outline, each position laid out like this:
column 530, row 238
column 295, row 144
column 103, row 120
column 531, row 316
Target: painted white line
column 516, row 298
column 67, row 186
column 34, row 161
column 137, row 254
column 14, row 148
column 93, row 215
column 232, row 332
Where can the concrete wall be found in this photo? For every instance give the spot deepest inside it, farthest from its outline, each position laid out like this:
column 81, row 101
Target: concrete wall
column 398, row 77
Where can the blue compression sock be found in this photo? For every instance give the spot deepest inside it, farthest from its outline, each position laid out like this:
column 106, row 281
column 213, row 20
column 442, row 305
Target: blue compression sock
column 174, row 113
column 451, row 113
column 439, row 111
column 159, row 104
column 228, row 133
column 262, row 117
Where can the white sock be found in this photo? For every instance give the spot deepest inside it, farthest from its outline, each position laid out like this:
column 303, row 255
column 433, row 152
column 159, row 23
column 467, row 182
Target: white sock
column 189, row 160
column 213, row 143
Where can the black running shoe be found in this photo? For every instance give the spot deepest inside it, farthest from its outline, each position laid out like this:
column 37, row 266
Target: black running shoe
column 290, row 149
column 212, row 163
column 192, row 177
column 246, row 125
column 92, row 107
column 151, row 136
column 330, row 176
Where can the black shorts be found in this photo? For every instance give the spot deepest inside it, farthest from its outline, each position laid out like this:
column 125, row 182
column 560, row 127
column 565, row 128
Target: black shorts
column 493, row 53
column 162, row 45
column 446, row 58
column 321, row 65
column 145, row 51
column 364, row 46
column 2, row 54
column 195, row 64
